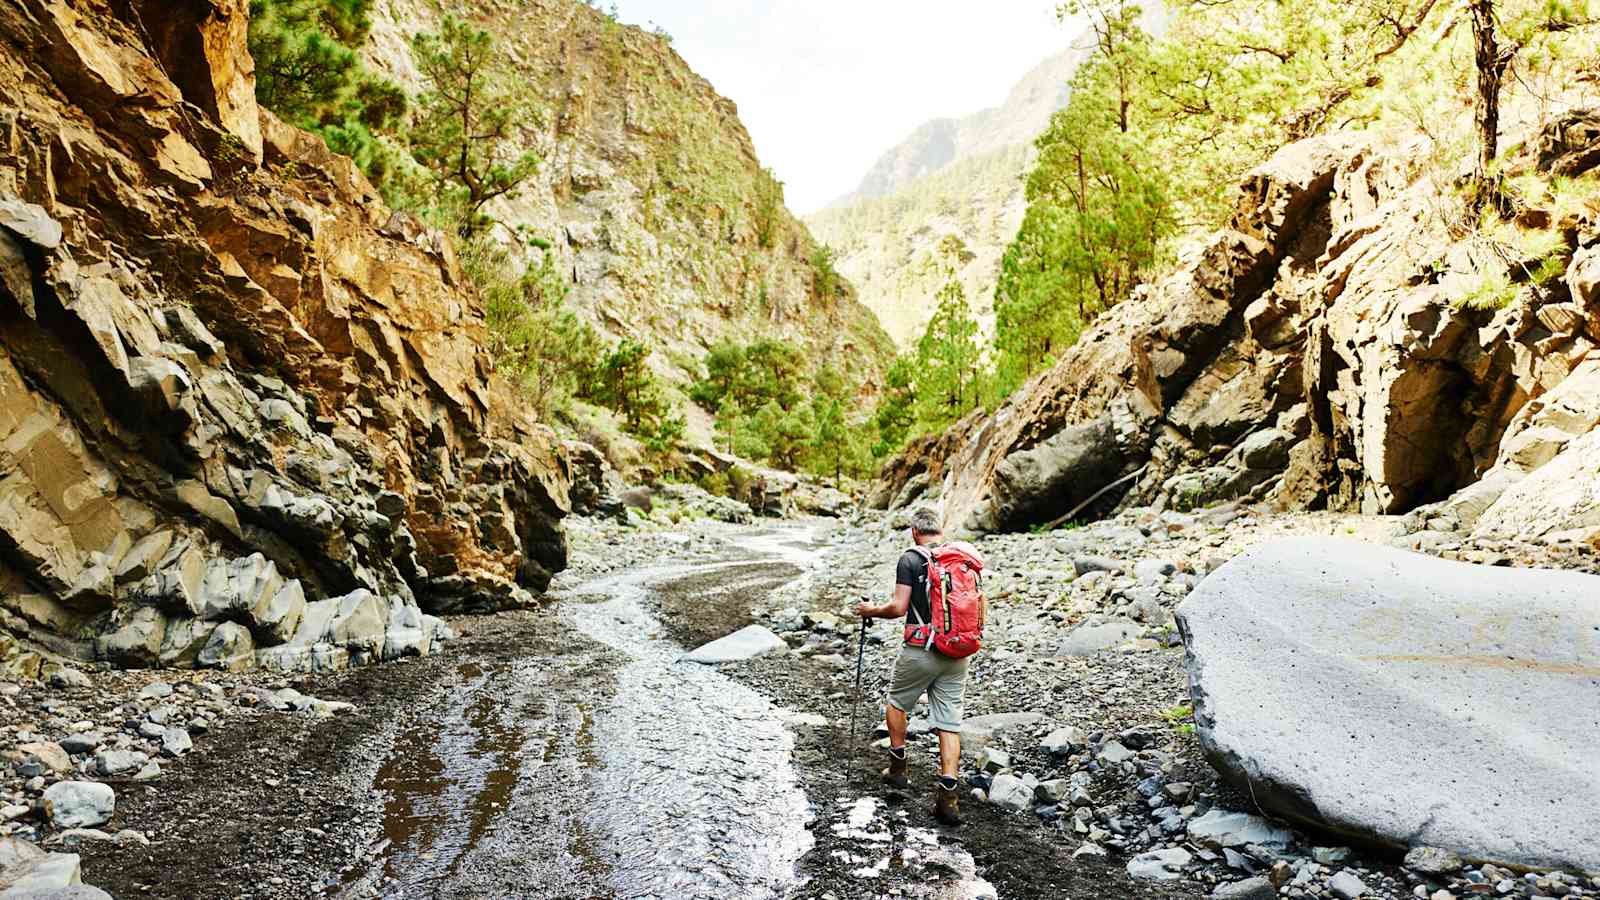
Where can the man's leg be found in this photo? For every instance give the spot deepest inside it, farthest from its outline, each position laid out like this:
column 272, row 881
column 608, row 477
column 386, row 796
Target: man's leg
column 949, row 753
column 895, row 719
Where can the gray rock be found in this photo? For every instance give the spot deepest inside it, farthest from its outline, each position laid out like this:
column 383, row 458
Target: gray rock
column 68, row 892
column 993, row 759
column 1063, row 741
column 1374, row 651
column 230, row 647
column 82, row 742
column 1087, row 640
column 1346, row 886
column 79, row 804
column 28, row 872
column 176, row 742
column 1010, row 792
column 119, row 762
column 1259, row 888
column 1433, row 861
column 68, row 677
column 1153, row 571
column 1217, row 829
column 1052, row 791
column 1159, row 865
column 1083, row 565
column 746, row 643
column 1114, row 752
column 156, row 690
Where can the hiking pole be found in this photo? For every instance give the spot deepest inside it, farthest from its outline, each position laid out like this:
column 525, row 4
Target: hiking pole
column 861, row 653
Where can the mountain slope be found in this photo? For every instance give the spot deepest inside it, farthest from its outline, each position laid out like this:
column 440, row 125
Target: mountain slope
column 650, row 192
column 952, row 178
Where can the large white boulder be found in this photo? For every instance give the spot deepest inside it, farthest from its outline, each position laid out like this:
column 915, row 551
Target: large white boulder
column 748, row 642
column 1405, row 699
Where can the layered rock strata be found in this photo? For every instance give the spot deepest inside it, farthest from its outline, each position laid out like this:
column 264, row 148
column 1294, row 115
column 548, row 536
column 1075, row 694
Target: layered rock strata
column 244, row 414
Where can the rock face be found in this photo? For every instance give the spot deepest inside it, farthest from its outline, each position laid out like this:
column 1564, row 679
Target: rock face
column 1404, row 700
column 1318, row 353
column 650, row 192
column 232, row 384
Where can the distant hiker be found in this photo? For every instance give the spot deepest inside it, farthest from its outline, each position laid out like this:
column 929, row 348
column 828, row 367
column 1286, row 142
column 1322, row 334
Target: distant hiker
column 936, row 589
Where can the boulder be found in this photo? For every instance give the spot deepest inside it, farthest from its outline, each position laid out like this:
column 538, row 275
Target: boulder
column 1258, row 888
column 1425, row 674
column 28, row 872
column 79, row 804
column 746, row 643
column 596, row 487
column 1087, row 640
column 1218, row 829
column 1010, row 792
column 1159, row 865
column 229, row 647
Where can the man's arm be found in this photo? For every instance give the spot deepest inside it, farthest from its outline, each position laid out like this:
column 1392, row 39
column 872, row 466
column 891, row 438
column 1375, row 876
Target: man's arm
column 894, row 609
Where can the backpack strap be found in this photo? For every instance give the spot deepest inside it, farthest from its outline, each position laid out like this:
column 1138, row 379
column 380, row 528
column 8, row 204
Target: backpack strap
column 927, row 590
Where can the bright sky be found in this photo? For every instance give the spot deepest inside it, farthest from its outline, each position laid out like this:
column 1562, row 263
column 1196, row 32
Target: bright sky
column 826, row 86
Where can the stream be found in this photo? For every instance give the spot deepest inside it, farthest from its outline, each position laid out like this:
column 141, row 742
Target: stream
column 521, row 783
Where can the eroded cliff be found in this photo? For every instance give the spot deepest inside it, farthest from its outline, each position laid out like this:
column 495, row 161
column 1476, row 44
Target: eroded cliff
column 1338, row 346
column 244, row 414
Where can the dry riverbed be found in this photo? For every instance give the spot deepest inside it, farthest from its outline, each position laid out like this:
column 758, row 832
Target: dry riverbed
column 569, row 752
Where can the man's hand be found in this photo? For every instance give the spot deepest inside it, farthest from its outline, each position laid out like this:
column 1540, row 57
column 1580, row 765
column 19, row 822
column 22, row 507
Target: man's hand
column 866, row 610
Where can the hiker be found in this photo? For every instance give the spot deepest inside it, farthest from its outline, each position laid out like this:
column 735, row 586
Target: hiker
column 936, row 589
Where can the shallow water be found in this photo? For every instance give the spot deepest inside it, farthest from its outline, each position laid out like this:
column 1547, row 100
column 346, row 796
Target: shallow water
column 681, row 784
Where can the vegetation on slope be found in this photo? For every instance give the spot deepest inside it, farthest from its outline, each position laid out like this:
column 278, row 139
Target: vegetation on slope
column 1158, row 131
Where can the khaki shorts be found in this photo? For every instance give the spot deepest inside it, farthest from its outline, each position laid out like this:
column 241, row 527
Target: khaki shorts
column 943, row 679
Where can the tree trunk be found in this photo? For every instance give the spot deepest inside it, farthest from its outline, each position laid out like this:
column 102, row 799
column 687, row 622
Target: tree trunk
column 1490, row 68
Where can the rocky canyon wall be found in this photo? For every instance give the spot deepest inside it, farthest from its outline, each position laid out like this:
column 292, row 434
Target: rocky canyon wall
column 1328, row 350
column 244, row 414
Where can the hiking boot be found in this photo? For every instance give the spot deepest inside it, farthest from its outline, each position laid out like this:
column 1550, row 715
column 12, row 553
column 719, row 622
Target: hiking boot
column 947, row 804
column 895, row 775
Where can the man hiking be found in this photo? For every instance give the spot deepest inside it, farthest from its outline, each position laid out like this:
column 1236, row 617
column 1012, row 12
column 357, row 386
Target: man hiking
column 936, row 590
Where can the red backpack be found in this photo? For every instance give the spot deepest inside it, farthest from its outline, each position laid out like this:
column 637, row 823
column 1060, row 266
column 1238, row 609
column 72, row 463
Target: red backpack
column 954, row 601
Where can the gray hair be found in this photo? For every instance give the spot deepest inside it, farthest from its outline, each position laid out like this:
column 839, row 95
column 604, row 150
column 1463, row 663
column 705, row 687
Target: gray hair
column 925, row 520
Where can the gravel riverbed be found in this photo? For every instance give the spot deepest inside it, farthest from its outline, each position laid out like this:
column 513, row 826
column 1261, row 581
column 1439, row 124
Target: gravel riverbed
column 488, row 770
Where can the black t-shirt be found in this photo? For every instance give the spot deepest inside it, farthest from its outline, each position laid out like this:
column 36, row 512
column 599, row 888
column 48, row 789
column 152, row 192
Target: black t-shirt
column 912, row 570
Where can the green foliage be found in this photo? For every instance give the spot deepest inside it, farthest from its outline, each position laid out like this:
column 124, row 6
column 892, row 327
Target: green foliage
column 768, row 207
column 622, row 380
column 750, row 375
column 467, row 132
column 767, row 409
column 309, row 73
column 829, row 283
column 539, row 344
column 949, row 379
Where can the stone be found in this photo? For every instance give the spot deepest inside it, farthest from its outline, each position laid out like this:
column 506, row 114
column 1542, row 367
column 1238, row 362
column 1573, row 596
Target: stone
column 1052, row 791
column 155, row 690
column 51, row 754
column 1159, row 865
column 114, row 762
column 1346, row 885
column 746, row 643
column 1010, row 792
column 79, row 804
column 1115, row 753
column 175, row 742
column 993, row 759
column 1432, row 861
column 1373, row 649
column 1063, row 741
column 1090, row 851
column 1217, row 829
column 1087, row 640
column 1258, row 888
column 230, row 648
column 360, row 625
column 1083, row 565
column 68, row 677
column 81, row 742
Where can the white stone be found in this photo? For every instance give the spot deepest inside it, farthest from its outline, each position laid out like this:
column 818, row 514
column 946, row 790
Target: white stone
column 746, row 643
column 1366, row 690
